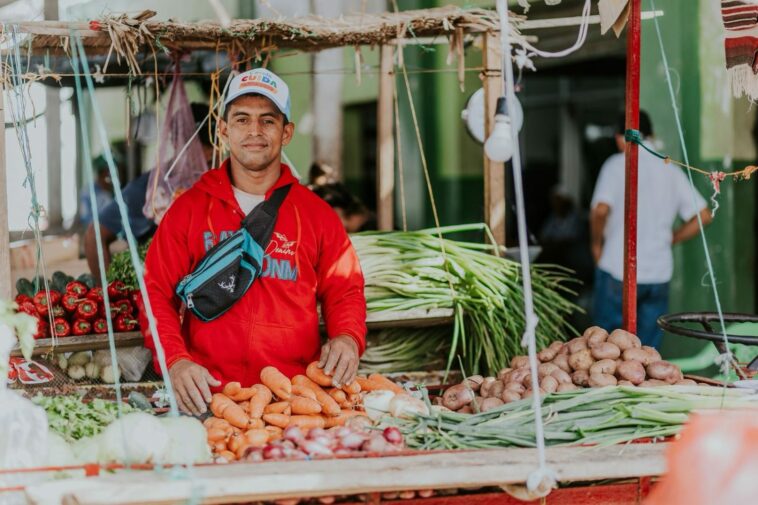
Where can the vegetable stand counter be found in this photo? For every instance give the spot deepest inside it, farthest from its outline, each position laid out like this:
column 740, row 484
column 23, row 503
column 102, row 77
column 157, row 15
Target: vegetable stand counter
column 247, row 482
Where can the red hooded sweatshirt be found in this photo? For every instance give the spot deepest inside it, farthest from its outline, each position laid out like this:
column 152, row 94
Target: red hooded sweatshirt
column 310, row 260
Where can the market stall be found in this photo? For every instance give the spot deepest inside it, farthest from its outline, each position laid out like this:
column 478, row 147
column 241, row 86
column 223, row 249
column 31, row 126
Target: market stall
column 302, row 437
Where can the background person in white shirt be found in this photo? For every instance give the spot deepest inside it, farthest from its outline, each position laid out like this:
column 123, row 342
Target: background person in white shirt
column 664, row 195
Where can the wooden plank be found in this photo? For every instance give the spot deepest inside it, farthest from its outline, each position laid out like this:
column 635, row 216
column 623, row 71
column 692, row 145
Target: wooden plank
column 53, row 133
column 385, row 145
column 246, row 482
column 6, row 290
column 494, row 172
column 84, row 343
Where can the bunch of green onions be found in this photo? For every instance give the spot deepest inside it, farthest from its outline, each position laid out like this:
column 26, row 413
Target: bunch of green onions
column 393, row 350
column 421, row 270
column 602, row 417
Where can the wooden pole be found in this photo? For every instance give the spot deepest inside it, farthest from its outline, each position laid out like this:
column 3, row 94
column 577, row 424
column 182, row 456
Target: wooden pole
column 494, row 172
column 53, row 127
column 629, row 310
column 385, row 174
column 6, row 290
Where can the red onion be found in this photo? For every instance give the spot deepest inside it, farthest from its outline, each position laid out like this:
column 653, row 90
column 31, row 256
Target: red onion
column 293, row 434
column 273, row 452
column 314, row 448
column 317, row 433
column 393, row 435
column 352, row 441
column 342, row 431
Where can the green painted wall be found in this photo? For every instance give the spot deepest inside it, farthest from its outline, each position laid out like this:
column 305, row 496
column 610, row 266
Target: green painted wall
column 696, row 56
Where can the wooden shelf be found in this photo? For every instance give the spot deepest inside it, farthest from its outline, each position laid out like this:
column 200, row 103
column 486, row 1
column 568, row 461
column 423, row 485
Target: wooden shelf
column 253, row 482
column 83, row 343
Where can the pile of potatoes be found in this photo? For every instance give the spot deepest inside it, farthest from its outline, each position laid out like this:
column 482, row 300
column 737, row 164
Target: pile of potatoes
column 595, row 359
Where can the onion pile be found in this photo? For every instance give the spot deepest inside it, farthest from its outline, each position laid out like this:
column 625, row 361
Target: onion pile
column 595, row 359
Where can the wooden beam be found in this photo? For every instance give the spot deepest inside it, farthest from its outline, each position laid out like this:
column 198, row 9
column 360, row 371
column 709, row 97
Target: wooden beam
column 53, row 133
column 84, row 343
column 264, row 481
column 6, row 290
column 494, row 172
column 385, row 145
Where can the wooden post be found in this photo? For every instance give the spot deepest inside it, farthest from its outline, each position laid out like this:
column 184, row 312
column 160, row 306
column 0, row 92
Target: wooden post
column 385, row 165
column 53, row 126
column 6, row 290
column 494, row 172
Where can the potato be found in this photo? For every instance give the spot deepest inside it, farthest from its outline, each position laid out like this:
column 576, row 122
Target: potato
column 656, row 356
column 496, row 391
column 564, row 350
column 465, row 410
column 595, row 335
column 490, row 403
column 577, row 344
column 652, row 383
column 484, row 389
column 640, row 355
column 519, row 361
column 665, row 371
column 605, row 350
column 624, row 340
column 474, row 382
column 518, row 375
column 562, row 361
column 502, row 374
column 476, row 404
column 631, row 371
column 510, row 396
column 599, row 380
column 561, row 376
column 551, row 352
column 581, row 378
column 623, row 382
column 549, row 384
column 607, row 366
column 686, row 382
column 566, row 387
column 456, row 397
column 546, row 369
column 581, row 360
column 529, row 393
column 514, row 387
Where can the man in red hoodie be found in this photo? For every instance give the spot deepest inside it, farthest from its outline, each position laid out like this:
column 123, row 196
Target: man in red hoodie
column 309, row 260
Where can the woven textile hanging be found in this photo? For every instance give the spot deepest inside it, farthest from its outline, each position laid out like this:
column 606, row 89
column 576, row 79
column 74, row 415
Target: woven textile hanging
column 740, row 19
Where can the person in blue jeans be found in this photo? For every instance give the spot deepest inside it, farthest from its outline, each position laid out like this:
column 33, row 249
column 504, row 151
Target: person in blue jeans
column 664, row 196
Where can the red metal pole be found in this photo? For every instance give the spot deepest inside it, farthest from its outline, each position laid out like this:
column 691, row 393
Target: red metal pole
column 631, row 157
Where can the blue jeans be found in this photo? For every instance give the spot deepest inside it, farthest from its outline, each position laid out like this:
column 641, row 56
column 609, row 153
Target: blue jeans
column 652, row 302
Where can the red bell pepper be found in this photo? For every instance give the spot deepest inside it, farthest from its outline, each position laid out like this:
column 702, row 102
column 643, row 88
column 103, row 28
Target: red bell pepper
column 125, row 323
column 122, row 307
column 95, row 294
column 70, row 301
column 41, row 329
column 82, row 327
column 78, row 288
column 43, row 303
column 28, row 308
column 87, row 309
column 59, row 311
column 61, row 327
column 23, row 298
column 117, row 290
column 100, row 326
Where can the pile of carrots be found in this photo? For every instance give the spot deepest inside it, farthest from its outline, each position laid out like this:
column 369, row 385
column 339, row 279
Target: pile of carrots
column 248, row 418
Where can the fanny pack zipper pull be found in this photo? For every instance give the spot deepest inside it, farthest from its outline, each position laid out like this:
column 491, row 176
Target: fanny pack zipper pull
column 190, row 304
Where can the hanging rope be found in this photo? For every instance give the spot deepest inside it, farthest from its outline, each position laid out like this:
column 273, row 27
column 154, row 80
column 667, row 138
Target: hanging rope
column 542, row 480
column 401, row 172
column 726, row 359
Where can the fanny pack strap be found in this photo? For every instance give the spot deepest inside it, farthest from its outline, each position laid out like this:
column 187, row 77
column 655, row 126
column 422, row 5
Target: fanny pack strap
column 261, row 220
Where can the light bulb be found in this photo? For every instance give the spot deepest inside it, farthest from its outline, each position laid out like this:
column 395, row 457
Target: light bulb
column 499, row 145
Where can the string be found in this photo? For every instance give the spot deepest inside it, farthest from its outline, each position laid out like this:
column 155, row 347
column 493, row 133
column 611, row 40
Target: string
column 543, row 479
column 726, row 358
column 401, row 173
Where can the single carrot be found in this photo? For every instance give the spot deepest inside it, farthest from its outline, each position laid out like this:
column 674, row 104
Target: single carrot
column 338, row 395
column 328, row 405
column 219, row 447
column 216, row 434
column 219, row 402
column 277, row 382
column 245, row 405
column 259, row 401
column 231, row 388
column 257, row 438
column 228, row 455
column 342, row 418
column 242, row 450
column 274, row 432
column 288, row 411
column 276, row 408
column 354, row 399
column 305, row 391
column 385, row 383
column 352, row 389
column 280, row 420
column 233, row 413
column 236, row 392
column 303, row 405
column 307, row 422
column 255, row 424
column 235, row 442
column 317, row 375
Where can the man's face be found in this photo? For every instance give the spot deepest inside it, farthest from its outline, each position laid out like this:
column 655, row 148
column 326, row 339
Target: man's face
column 255, row 131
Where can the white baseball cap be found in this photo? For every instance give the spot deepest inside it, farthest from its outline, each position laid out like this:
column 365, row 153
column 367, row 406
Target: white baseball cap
column 263, row 82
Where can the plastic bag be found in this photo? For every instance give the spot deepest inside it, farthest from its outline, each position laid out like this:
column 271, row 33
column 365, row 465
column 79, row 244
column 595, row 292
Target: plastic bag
column 715, row 461
column 166, row 183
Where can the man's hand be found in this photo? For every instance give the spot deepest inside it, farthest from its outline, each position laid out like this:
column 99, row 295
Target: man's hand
column 192, row 384
column 339, row 358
